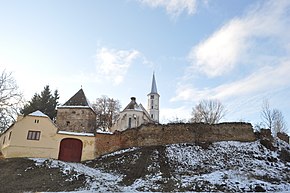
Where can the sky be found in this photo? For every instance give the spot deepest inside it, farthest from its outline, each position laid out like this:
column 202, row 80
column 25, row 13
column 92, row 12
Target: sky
column 235, row 51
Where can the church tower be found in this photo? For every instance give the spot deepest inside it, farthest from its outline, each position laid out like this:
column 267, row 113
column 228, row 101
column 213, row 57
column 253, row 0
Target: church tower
column 153, row 101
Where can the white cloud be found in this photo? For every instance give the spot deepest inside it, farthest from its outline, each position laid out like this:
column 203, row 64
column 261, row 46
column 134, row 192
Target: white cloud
column 113, row 64
column 268, row 78
column 175, row 114
column 220, row 52
column 173, row 7
column 224, row 49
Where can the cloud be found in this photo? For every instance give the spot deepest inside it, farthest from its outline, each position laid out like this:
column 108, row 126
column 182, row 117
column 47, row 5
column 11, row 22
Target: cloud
column 267, row 78
column 228, row 46
column 175, row 114
column 113, row 64
column 173, row 7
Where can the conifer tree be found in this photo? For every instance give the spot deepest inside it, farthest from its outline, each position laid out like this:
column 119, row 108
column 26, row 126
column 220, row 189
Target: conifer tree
column 45, row 102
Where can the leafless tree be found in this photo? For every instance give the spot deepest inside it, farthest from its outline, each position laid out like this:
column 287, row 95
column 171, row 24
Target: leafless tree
column 279, row 124
column 10, row 100
column 273, row 118
column 107, row 110
column 208, row 111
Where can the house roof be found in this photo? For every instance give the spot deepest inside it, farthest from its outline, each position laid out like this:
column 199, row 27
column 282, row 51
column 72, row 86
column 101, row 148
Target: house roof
column 79, row 99
column 38, row 113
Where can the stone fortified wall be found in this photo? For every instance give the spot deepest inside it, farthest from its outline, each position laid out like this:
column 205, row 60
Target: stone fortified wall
column 283, row 136
column 153, row 134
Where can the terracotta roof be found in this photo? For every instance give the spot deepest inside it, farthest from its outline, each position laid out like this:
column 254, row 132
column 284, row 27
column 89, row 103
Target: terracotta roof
column 79, row 99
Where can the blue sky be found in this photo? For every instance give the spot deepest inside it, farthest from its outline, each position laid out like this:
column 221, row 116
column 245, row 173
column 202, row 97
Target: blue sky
column 234, row 51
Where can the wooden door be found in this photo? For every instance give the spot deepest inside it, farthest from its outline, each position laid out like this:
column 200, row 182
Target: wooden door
column 70, row 150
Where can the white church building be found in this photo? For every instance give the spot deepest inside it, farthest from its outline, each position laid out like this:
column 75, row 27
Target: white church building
column 135, row 114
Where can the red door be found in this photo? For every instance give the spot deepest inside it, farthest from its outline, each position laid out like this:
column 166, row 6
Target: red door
column 70, row 150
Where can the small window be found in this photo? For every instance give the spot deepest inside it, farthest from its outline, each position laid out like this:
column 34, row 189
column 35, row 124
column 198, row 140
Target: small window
column 4, row 139
column 33, row 135
column 67, row 123
column 10, row 135
column 36, row 121
column 152, row 116
column 152, row 97
column 129, row 123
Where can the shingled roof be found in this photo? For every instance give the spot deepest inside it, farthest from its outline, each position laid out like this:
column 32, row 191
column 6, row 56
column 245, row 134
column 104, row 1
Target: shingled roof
column 79, row 99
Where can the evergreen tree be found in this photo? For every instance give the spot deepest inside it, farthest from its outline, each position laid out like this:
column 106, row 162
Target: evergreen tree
column 45, row 102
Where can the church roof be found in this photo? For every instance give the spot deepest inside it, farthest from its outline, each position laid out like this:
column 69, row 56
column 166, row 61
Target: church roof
column 153, row 87
column 79, row 99
column 133, row 105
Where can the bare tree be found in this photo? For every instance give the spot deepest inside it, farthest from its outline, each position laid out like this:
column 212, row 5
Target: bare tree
column 208, row 111
column 107, row 110
column 273, row 118
column 10, row 100
column 267, row 115
column 279, row 125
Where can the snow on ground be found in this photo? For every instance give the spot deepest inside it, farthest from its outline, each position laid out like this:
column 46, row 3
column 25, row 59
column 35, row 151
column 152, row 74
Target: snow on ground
column 229, row 166
column 94, row 177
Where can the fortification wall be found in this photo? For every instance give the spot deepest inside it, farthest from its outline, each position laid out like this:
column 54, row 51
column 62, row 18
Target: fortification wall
column 283, row 136
column 152, row 135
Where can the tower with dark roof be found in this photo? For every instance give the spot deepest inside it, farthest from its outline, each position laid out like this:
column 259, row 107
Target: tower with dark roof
column 153, row 101
column 76, row 115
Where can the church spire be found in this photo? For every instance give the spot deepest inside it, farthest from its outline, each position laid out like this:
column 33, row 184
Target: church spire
column 153, row 87
column 153, row 101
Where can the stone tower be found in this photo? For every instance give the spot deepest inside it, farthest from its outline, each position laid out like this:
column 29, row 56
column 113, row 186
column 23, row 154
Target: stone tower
column 76, row 115
column 153, row 101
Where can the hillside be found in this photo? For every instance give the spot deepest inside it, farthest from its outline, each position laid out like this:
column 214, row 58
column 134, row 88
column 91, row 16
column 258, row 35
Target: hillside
column 222, row 166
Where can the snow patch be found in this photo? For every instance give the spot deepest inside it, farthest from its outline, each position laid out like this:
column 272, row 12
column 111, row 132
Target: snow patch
column 75, row 133
column 38, row 113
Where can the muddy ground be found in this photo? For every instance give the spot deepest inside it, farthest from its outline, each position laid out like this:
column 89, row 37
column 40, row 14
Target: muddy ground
column 22, row 175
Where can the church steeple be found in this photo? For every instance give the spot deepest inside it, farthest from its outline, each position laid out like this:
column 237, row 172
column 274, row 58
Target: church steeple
column 153, row 87
column 153, row 101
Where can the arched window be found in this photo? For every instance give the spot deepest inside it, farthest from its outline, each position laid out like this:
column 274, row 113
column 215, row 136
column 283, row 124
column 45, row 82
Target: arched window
column 130, row 123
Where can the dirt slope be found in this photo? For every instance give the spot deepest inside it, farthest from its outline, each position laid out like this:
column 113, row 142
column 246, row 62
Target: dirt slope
column 224, row 166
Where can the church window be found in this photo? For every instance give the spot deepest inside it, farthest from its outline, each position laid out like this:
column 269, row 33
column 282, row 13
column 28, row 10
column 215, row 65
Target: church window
column 36, row 121
column 152, row 116
column 152, row 97
column 33, row 135
column 129, row 123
